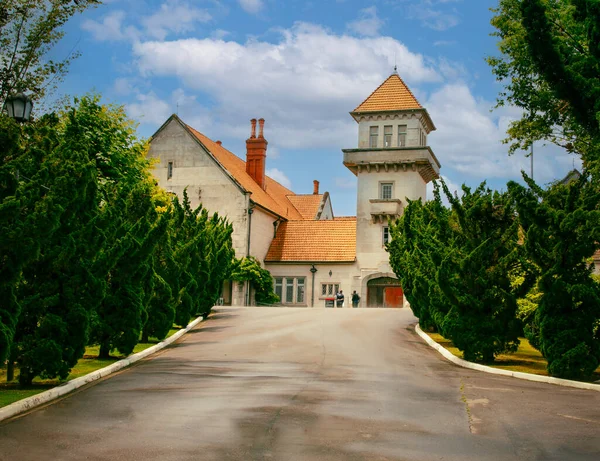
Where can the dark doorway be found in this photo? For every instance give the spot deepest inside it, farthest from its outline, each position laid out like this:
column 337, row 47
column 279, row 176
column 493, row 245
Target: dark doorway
column 227, row 292
column 384, row 292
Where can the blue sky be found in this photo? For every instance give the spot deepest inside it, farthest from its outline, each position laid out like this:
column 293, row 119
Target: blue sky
column 303, row 65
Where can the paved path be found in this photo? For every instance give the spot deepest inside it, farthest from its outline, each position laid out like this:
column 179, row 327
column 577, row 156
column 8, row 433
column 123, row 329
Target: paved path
column 308, row 384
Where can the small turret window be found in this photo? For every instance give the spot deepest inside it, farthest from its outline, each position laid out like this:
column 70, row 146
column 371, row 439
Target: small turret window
column 373, row 134
column 385, row 234
column 169, row 170
column 401, row 135
column 385, row 190
column 387, row 136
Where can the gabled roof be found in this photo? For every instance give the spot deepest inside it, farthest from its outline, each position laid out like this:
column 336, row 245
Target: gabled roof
column 314, row 241
column 392, row 94
column 307, row 205
column 275, row 196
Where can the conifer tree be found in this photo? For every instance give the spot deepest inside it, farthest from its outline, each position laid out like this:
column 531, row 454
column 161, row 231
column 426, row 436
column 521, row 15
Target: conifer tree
column 562, row 226
column 475, row 275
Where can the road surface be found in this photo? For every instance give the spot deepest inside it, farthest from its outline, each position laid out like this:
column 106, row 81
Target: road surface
column 308, row 384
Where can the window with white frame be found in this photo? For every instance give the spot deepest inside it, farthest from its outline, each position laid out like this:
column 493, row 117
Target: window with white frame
column 387, row 136
column 291, row 290
column 401, row 135
column 386, row 190
column 373, row 135
column 329, row 289
column 385, row 235
column 279, row 287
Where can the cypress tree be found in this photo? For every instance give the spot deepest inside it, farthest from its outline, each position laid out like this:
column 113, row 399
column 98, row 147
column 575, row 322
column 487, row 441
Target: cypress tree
column 562, row 228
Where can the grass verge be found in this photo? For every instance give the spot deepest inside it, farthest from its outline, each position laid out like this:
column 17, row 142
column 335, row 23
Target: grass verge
column 527, row 359
column 12, row 392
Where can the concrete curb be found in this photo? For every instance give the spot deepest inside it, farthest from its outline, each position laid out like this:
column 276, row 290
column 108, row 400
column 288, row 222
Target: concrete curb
column 496, row 371
column 29, row 403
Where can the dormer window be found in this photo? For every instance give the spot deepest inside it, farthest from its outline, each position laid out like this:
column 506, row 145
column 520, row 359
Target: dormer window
column 373, row 134
column 387, row 136
column 401, row 135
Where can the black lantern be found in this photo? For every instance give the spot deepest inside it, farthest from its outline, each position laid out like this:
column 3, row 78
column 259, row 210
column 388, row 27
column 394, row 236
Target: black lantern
column 18, row 106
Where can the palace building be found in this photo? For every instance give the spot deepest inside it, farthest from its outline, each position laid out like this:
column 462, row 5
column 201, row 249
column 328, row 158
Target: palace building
column 310, row 252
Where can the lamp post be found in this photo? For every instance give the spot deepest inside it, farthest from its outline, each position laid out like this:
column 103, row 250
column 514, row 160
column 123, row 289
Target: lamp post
column 313, row 271
column 18, row 106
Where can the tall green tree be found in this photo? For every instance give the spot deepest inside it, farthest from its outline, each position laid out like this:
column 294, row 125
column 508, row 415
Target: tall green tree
column 562, row 226
column 550, row 56
column 421, row 239
column 475, row 276
column 29, row 29
column 29, row 210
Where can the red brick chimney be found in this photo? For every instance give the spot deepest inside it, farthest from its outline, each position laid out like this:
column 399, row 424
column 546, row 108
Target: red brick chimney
column 256, row 153
column 316, row 187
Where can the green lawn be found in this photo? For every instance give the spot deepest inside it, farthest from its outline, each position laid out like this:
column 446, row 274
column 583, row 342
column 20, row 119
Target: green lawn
column 11, row 392
column 526, row 359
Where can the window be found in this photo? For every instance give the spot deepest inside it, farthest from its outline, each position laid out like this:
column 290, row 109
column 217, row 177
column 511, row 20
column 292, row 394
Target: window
column 385, row 235
column 300, row 290
column 385, row 190
column 401, row 135
column 387, row 136
column 373, row 133
column 423, row 138
column 291, row 290
column 329, row 290
column 169, row 170
column 279, row 287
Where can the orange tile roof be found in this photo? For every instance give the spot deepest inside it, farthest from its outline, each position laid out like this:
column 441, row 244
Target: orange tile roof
column 274, row 198
column 307, row 205
column 314, row 241
column 393, row 94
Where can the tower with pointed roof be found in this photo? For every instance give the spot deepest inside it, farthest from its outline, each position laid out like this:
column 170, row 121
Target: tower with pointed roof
column 392, row 163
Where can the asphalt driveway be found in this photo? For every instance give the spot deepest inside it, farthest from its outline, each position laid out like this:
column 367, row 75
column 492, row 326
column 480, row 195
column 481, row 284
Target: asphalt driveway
column 308, row 384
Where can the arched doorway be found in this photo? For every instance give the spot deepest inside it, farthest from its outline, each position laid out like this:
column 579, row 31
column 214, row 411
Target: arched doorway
column 384, row 292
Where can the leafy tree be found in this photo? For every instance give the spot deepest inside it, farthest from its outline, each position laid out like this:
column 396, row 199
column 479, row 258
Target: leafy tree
column 28, row 31
column 549, row 66
column 562, row 226
column 249, row 269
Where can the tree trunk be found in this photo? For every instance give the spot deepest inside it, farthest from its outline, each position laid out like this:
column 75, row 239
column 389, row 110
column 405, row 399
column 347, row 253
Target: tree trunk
column 104, row 351
column 10, row 370
column 145, row 338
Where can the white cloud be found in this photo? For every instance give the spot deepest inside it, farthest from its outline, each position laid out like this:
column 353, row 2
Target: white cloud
column 468, row 139
column 149, row 108
column 174, row 16
column 251, row 6
column 303, row 85
column 279, row 176
column 111, row 28
column 368, row 23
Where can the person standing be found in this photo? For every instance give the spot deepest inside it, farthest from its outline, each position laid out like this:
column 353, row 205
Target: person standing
column 355, row 299
column 340, row 299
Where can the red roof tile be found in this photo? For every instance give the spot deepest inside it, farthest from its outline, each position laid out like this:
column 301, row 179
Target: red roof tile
column 312, row 241
column 307, row 205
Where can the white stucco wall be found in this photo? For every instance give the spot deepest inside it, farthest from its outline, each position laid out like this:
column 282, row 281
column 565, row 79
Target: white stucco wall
column 262, row 233
column 327, row 212
column 413, row 122
column 370, row 250
column 344, row 275
column 206, row 182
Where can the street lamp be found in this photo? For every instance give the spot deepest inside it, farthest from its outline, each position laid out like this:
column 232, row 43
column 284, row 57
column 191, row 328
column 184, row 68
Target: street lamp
column 18, row 106
column 313, row 271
